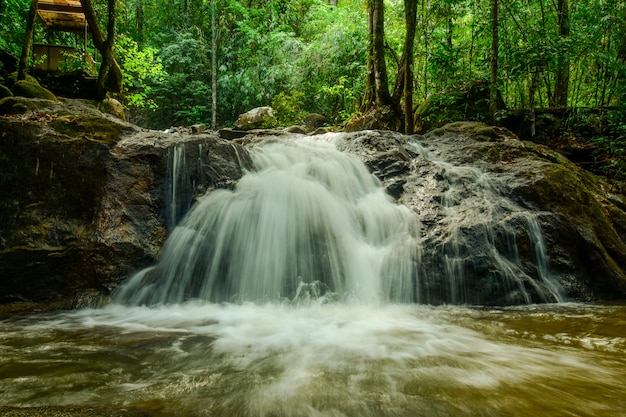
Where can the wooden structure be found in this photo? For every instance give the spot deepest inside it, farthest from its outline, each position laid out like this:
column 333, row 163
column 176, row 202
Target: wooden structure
column 76, row 16
column 62, row 15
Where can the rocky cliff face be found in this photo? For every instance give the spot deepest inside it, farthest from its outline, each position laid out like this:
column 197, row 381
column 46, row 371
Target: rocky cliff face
column 86, row 199
column 472, row 184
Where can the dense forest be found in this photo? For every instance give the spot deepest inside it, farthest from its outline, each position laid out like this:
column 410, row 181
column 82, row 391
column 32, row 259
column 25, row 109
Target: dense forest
column 207, row 61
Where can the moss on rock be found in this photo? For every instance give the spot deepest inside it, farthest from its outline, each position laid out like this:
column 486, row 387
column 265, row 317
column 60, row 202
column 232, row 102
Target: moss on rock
column 31, row 90
column 5, row 91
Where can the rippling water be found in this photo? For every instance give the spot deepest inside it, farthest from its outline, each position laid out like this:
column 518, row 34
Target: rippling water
column 334, row 359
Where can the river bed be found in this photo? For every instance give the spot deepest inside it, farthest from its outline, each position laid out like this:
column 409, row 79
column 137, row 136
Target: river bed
column 319, row 359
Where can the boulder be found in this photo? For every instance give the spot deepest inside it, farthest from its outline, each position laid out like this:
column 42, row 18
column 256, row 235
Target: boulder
column 257, row 118
column 112, row 106
column 473, row 186
column 12, row 79
column 198, row 128
column 314, row 120
column 31, row 90
column 85, row 199
column 300, row 130
column 319, row 131
column 230, row 134
column 376, row 118
column 5, row 91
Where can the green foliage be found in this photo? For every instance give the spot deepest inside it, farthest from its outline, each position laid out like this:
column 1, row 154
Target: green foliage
column 182, row 95
column 612, row 147
column 74, row 61
column 288, row 108
column 141, row 70
column 12, row 25
column 269, row 49
column 604, row 133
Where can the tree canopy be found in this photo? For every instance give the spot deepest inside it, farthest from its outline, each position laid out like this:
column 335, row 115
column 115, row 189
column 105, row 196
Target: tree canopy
column 314, row 53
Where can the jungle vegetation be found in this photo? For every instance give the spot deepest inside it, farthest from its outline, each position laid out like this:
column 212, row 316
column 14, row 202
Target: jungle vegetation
column 207, row 61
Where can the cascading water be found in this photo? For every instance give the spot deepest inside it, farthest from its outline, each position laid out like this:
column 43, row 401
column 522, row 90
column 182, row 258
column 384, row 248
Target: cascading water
column 473, row 257
column 330, row 264
column 311, row 220
column 179, row 187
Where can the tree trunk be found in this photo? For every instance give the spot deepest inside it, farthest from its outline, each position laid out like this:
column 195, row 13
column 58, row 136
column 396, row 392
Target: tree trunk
column 426, row 36
column 110, row 75
column 531, row 101
column 370, row 96
column 493, row 87
column 561, row 84
column 621, row 53
column 381, row 84
column 28, row 38
column 140, row 20
column 213, row 68
column 410, row 16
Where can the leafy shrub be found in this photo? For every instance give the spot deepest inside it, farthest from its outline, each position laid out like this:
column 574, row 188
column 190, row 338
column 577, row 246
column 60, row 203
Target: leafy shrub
column 141, row 70
column 288, row 108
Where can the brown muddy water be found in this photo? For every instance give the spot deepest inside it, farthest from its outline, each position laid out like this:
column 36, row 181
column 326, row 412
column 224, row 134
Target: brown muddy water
column 201, row 359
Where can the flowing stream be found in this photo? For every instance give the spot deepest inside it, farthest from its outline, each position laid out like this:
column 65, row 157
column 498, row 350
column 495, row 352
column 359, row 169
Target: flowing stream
column 295, row 295
column 337, row 359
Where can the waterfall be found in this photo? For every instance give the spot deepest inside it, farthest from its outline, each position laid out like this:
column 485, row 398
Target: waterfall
column 311, row 222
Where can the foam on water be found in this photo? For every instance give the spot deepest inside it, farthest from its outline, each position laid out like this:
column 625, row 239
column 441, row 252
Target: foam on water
column 314, row 359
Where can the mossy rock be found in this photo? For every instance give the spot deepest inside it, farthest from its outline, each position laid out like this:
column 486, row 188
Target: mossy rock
column 257, row 118
column 12, row 79
column 112, row 106
column 376, row 118
column 19, row 105
column 32, row 90
column 5, row 91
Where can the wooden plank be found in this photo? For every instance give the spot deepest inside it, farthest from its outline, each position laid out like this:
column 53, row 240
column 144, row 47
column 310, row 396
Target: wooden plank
column 62, row 15
column 69, row 22
column 53, row 7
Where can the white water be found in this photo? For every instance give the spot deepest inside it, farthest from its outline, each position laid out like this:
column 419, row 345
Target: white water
column 309, row 221
column 288, row 297
column 478, row 231
column 320, row 359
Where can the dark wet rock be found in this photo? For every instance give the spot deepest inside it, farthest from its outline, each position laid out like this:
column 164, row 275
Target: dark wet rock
column 581, row 220
column 85, row 201
column 299, row 130
column 230, row 134
column 319, row 131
